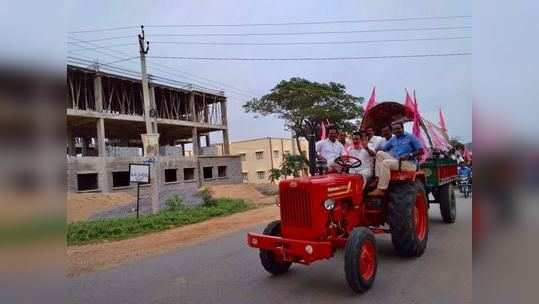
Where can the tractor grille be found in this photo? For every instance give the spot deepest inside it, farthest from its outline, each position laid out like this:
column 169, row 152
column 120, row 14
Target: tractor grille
column 295, row 208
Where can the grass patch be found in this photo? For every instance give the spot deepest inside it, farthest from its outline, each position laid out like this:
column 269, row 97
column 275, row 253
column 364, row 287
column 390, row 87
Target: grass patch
column 176, row 215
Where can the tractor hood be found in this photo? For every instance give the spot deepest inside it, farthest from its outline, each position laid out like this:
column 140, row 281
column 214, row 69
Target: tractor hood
column 301, row 200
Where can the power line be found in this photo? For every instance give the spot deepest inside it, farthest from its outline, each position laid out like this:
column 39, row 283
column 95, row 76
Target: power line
column 310, row 58
column 310, row 22
column 308, row 42
column 100, row 47
column 313, row 33
column 110, row 29
column 104, row 39
column 122, row 60
column 288, row 33
column 165, row 68
column 103, row 29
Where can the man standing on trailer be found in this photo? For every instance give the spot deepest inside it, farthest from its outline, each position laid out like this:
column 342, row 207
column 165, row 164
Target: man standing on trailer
column 404, row 148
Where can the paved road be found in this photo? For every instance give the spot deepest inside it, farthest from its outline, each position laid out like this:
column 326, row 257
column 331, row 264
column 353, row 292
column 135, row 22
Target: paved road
column 224, row 270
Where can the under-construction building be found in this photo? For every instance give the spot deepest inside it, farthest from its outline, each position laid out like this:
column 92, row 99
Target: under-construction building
column 105, row 120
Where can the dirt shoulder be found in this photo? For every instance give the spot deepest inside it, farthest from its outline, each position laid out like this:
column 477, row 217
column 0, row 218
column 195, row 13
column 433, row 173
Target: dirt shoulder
column 81, row 206
column 88, row 258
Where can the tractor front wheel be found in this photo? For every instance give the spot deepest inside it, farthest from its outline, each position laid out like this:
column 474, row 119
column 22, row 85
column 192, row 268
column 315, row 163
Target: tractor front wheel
column 271, row 262
column 360, row 262
column 448, row 204
column 408, row 218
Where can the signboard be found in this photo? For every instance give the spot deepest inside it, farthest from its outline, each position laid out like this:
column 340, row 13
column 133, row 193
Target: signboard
column 139, row 173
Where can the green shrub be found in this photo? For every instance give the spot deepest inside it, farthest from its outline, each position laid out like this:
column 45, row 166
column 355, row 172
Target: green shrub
column 206, row 196
column 175, row 203
column 79, row 233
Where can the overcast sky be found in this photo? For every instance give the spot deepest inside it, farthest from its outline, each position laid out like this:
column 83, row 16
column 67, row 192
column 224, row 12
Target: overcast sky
column 439, row 81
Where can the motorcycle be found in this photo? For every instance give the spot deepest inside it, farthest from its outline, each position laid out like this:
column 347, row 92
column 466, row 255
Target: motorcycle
column 465, row 185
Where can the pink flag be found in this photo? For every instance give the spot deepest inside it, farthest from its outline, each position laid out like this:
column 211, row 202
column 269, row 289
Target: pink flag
column 322, row 131
column 467, row 154
column 442, row 120
column 416, row 130
column 372, row 100
column 408, row 102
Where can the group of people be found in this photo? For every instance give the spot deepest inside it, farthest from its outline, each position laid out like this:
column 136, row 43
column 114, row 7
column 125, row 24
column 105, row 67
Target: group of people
column 393, row 147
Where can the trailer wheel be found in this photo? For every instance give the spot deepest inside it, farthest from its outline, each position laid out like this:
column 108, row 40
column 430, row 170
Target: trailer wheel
column 269, row 260
column 360, row 262
column 448, row 204
column 408, row 218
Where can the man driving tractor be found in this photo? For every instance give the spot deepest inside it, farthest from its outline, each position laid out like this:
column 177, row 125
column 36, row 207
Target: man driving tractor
column 400, row 152
column 330, row 148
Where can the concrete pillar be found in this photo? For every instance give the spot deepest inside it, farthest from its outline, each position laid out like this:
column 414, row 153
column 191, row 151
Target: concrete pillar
column 196, row 146
column 84, row 146
column 71, row 151
column 101, row 152
column 224, row 120
column 154, row 107
column 192, row 108
column 98, row 93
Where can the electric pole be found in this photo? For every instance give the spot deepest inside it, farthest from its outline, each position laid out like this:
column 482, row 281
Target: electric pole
column 150, row 140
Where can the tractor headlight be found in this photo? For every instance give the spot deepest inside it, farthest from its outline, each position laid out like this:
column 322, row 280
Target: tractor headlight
column 329, row 204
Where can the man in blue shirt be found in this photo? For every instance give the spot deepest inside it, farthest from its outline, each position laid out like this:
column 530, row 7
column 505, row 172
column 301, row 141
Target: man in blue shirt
column 404, row 147
column 464, row 171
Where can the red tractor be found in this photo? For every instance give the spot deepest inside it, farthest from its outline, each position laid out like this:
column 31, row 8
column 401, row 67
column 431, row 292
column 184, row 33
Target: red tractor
column 320, row 214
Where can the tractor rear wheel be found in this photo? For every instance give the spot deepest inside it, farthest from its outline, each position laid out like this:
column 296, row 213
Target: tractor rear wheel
column 408, row 218
column 448, row 204
column 270, row 260
column 360, row 262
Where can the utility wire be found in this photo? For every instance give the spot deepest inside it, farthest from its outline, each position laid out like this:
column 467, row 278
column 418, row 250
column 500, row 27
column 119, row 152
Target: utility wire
column 313, row 33
column 310, row 22
column 104, row 29
column 273, row 43
column 110, row 29
column 101, row 47
column 309, row 58
column 288, row 33
column 308, row 42
column 165, row 68
column 122, row 60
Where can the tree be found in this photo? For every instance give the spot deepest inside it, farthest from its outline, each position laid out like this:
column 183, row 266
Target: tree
column 302, row 103
column 292, row 165
column 274, row 175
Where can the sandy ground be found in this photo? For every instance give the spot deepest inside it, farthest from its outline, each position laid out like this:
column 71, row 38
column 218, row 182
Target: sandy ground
column 87, row 258
column 247, row 192
column 80, row 206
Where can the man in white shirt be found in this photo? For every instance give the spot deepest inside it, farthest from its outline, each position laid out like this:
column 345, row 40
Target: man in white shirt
column 329, row 149
column 360, row 149
column 376, row 143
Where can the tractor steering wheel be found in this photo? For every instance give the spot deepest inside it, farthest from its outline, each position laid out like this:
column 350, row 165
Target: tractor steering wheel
column 348, row 162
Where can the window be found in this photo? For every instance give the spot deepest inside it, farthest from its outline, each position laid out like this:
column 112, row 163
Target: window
column 171, row 175
column 120, row 179
column 260, row 174
column 87, row 181
column 208, row 172
column 245, row 176
column 259, row 154
column 286, row 152
column 221, row 171
column 188, row 174
column 243, row 156
column 276, row 154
